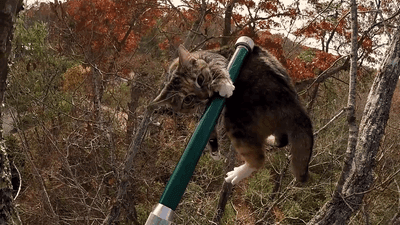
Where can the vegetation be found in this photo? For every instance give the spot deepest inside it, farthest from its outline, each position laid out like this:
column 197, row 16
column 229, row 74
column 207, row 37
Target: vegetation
column 83, row 73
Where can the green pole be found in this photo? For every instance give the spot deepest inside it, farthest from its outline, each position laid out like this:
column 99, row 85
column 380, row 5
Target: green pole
column 180, row 178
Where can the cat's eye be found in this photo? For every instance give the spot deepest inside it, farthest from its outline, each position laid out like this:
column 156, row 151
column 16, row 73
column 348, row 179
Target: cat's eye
column 200, row 80
column 188, row 99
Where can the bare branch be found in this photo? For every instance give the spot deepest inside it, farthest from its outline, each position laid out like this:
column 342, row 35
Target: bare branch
column 122, row 199
column 330, row 121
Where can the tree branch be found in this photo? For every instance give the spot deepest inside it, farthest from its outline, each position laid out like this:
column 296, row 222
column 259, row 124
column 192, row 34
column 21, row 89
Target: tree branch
column 330, row 71
column 334, row 31
column 330, row 121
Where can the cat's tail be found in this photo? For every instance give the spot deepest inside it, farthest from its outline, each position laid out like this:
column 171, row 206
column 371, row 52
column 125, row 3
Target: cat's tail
column 302, row 141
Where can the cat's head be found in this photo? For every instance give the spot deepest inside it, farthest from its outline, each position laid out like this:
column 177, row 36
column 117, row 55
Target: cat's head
column 188, row 83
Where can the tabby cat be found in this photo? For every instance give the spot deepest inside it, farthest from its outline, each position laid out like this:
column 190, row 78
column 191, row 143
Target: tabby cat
column 261, row 107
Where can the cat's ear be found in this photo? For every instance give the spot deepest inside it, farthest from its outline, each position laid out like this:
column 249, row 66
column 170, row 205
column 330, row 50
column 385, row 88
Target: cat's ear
column 185, row 58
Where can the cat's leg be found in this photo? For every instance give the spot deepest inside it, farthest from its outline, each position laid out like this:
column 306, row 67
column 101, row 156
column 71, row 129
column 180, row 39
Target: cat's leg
column 223, row 84
column 301, row 149
column 239, row 173
column 213, row 142
column 253, row 156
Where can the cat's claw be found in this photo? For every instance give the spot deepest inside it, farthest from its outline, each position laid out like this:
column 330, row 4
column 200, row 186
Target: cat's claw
column 239, row 173
column 226, row 89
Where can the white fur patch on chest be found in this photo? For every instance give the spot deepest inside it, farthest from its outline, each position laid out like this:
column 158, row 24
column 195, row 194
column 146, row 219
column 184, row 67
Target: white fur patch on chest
column 271, row 140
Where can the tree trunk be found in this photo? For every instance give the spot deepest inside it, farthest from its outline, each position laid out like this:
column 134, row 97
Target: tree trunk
column 8, row 12
column 124, row 198
column 351, row 104
column 359, row 177
column 97, row 96
column 193, row 32
column 8, row 214
column 227, row 23
column 132, row 105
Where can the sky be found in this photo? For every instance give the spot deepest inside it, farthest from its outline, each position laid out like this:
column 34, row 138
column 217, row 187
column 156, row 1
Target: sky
column 303, row 5
column 30, row 2
column 176, row 2
column 311, row 43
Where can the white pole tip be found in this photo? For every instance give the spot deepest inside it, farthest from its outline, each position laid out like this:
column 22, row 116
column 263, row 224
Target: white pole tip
column 246, row 41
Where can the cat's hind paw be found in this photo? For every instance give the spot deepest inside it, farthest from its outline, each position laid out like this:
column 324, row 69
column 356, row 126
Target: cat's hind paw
column 239, row 173
column 226, row 89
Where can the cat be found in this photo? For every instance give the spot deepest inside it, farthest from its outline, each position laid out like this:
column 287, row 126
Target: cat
column 262, row 106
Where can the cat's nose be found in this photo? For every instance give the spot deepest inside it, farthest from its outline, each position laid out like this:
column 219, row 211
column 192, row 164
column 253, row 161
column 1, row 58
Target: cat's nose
column 200, row 93
column 197, row 90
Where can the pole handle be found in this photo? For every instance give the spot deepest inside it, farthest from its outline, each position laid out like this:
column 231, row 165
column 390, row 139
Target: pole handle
column 183, row 172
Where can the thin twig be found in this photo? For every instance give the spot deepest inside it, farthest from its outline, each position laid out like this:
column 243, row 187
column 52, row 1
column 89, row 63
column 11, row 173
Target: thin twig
column 330, row 121
column 226, row 190
column 275, row 203
column 20, row 181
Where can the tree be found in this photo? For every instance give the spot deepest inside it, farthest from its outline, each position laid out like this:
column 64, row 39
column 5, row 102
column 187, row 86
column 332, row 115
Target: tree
column 357, row 176
column 107, row 34
column 328, row 23
column 9, row 10
column 70, row 111
column 102, row 32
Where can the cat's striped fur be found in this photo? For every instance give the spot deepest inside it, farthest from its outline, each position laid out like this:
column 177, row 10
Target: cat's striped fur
column 263, row 103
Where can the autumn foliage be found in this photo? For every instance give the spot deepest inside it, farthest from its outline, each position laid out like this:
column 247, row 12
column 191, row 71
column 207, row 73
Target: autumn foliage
column 304, row 66
column 105, row 23
column 115, row 52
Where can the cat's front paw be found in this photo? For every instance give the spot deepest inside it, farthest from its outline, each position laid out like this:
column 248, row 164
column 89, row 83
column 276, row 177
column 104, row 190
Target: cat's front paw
column 239, row 173
column 226, row 89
